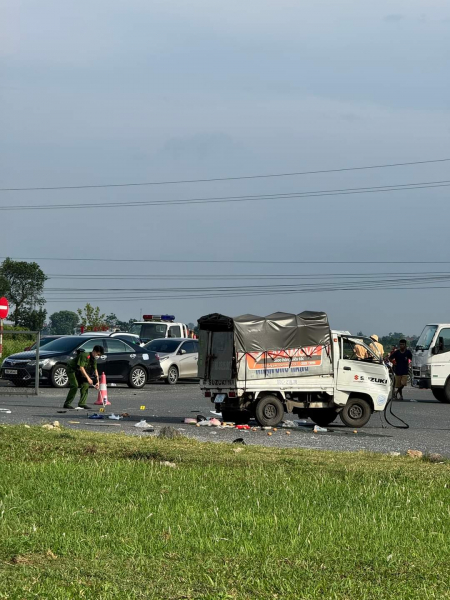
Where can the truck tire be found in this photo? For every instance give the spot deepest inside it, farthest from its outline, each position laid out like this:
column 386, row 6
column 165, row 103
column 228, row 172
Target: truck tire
column 239, row 417
column 59, row 377
column 439, row 394
column 356, row 413
column 269, row 411
column 322, row 416
column 446, row 395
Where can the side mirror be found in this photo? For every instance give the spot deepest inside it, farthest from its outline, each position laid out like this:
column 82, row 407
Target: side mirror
column 182, row 351
column 435, row 350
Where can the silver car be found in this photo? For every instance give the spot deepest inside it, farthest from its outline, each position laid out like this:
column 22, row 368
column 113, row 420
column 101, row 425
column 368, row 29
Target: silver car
column 178, row 358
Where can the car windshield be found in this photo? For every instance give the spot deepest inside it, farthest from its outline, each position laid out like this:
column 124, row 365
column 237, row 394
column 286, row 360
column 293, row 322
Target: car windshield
column 426, row 337
column 369, row 349
column 44, row 342
column 153, row 331
column 66, row 344
column 164, row 345
column 136, row 328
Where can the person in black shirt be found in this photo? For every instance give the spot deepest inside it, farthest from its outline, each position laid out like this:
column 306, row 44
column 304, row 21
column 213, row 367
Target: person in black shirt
column 401, row 359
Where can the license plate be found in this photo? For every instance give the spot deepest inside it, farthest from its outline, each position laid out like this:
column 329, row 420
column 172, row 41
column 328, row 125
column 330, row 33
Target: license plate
column 11, row 372
column 220, row 398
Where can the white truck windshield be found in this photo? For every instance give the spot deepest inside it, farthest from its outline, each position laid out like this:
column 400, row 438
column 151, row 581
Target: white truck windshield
column 149, row 331
column 426, row 337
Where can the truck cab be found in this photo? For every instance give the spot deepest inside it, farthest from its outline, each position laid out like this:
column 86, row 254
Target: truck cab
column 431, row 361
column 153, row 327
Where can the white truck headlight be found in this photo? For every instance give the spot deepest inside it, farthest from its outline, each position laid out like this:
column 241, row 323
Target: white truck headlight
column 425, row 371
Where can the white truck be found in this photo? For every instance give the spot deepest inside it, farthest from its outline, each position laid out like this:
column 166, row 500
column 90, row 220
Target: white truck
column 431, row 361
column 262, row 367
column 153, row 327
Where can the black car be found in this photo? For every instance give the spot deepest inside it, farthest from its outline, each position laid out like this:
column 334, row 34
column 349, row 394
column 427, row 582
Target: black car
column 121, row 362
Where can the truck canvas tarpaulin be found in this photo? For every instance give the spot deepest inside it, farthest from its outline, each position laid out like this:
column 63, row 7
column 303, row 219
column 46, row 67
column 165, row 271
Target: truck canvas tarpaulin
column 252, row 347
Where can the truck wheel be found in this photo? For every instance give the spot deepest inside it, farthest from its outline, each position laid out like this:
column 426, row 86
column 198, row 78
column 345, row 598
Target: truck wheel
column 439, row 394
column 446, row 395
column 240, row 417
column 322, row 416
column 356, row 413
column 269, row 411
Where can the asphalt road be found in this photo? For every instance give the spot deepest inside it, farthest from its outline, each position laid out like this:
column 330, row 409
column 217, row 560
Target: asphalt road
column 429, row 420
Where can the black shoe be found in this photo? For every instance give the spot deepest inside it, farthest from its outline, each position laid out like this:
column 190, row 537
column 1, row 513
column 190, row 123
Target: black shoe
column 69, row 407
column 85, row 406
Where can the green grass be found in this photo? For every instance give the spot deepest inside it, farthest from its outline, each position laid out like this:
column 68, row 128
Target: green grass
column 98, row 516
column 15, row 343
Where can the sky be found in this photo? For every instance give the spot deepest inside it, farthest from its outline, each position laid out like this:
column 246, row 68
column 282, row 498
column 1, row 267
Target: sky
column 112, row 92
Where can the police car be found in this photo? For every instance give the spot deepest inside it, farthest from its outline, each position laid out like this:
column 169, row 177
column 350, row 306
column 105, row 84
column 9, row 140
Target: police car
column 153, row 327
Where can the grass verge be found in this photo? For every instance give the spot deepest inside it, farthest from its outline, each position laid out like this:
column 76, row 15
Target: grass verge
column 98, row 516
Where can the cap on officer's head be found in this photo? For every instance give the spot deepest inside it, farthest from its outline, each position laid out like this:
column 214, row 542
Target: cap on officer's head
column 374, row 337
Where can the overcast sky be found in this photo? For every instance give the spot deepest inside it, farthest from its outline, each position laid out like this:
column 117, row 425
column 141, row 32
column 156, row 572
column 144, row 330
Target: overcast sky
column 95, row 92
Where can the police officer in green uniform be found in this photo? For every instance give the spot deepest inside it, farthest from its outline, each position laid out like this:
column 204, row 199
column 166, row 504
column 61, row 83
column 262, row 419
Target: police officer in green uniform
column 82, row 370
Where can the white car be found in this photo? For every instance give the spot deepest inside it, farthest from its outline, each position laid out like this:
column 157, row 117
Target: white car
column 122, row 335
column 178, row 358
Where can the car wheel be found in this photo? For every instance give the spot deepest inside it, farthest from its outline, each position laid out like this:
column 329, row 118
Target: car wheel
column 137, row 378
column 172, row 375
column 322, row 416
column 59, row 378
column 356, row 413
column 269, row 411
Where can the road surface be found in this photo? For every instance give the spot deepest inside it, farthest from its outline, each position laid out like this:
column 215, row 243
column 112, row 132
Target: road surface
column 429, row 420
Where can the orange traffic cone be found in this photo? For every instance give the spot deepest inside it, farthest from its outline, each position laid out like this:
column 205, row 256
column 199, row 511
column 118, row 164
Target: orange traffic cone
column 103, row 393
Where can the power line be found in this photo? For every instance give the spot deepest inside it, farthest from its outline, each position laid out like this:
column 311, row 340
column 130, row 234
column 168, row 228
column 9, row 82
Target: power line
column 215, row 179
column 391, row 279
column 220, row 296
column 240, row 261
column 103, row 277
column 237, row 199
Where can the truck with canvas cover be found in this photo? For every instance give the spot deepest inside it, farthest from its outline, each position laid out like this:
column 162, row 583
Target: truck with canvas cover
column 261, row 367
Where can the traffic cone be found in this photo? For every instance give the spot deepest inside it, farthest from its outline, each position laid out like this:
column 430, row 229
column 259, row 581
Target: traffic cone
column 103, row 393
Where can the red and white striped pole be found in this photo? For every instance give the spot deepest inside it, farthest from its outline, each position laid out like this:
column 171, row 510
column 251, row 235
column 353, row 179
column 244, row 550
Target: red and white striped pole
column 4, row 308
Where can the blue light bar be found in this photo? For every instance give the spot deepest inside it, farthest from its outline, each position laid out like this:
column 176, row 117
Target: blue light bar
column 167, row 317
